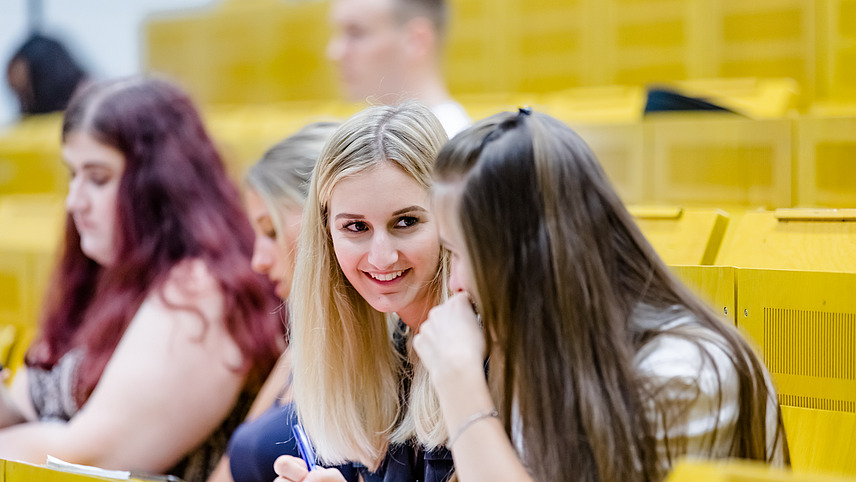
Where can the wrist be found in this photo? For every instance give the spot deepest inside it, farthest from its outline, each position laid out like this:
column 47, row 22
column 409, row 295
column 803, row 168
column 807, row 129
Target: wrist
column 459, row 372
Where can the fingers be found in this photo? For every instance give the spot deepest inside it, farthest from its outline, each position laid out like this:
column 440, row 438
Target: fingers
column 290, row 469
column 325, row 475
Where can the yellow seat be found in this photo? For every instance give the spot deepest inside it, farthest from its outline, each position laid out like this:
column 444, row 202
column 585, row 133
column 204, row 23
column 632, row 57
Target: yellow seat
column 825, row 150
column 759, row 98
column 690, row 470
column 682, row 236
column 719, row 160
column 619, row 148
column 804, row 325
column 821, row 439
column 27, row 253
column 30, row 160
column 714, row 284
column 802, row 239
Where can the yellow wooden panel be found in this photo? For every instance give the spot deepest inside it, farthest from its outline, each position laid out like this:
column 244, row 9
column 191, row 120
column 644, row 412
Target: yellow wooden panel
column 23, row 472
column 821, row 440
column 689, row 470
column 825, row 167
column 836, row 62
column 30, row 159
column 7, row 342
column 649, row 41
column 758, row 98
column 619, row 149
column 777, row 240
column 764, row 38
column 714, row 284
column 243, row 134
column 804, row 324
column 245, row 52
column 719, row 159
column 684, row 236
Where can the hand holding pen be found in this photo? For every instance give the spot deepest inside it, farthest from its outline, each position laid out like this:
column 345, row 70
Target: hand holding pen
column 293, row 469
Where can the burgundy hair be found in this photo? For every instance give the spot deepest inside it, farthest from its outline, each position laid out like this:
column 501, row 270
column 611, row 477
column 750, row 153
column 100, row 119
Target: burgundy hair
column 175, row 203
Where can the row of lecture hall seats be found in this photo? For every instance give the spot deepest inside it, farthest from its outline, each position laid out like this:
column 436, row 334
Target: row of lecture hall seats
column 251, row 51
column 786, row 278
column 688, row 159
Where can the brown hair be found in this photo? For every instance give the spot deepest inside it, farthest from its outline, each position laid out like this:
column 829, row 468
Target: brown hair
column 560, row 271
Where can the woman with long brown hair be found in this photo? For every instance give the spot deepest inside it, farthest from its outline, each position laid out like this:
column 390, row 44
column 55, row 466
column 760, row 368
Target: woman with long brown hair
column 156, row 333
column 602, row 365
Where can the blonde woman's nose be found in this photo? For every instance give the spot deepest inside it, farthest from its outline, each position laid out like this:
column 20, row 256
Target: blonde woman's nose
column 383, row 252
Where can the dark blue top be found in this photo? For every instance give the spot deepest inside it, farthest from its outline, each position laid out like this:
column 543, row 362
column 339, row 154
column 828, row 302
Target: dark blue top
column 256, row 445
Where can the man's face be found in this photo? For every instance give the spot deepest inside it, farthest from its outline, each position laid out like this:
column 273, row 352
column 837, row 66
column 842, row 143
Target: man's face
column 368, row 46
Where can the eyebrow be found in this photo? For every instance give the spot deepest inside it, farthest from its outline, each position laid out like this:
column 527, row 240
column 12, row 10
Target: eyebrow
column 408, row 209
column 89, row 165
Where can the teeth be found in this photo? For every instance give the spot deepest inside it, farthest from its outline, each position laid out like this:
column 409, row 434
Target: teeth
column 387, row 276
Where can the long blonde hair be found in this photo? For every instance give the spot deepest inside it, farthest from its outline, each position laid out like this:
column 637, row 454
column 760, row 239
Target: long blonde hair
column 347, row 372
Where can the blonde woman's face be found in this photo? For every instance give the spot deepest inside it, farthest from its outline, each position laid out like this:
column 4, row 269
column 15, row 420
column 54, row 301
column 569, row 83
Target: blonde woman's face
column 385, row 240
column 273, row 252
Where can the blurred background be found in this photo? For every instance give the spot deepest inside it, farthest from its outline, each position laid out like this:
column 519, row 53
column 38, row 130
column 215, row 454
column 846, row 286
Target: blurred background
column 107, row 38
column 742, row 201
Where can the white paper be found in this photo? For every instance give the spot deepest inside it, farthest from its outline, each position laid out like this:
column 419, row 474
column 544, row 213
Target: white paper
column 57, row 464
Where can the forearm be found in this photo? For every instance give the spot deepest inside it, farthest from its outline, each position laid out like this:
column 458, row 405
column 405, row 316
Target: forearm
column 9, row 412
column 481, row 449
column 32, row 442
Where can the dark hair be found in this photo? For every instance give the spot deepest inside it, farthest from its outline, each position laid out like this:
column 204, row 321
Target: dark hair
column 533, row 200
column 436, row 11
column 52, row 73
column 175, row 203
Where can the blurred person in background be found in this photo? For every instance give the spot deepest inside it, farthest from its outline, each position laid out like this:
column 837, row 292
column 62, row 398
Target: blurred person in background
column 156, row 333
column 274, row 194
column 43, row 75
column 388, row 51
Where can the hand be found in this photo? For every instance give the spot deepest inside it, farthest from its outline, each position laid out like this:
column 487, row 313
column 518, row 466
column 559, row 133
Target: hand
column 293, row 469
column 451, row 339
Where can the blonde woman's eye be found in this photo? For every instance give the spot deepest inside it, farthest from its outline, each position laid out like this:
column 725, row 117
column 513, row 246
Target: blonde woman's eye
column 356, row 227
column 406, row 222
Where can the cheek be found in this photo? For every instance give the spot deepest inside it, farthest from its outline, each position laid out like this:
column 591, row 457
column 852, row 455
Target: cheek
column 426, row 251
column 347, row 255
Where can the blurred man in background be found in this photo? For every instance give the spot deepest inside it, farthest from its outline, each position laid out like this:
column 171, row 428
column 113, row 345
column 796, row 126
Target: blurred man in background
column 390, row 50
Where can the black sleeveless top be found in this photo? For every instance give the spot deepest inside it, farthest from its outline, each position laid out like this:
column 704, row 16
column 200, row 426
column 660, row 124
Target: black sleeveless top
column 53, row 395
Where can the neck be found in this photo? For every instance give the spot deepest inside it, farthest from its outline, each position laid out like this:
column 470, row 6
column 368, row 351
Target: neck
column 427, row 86
column 414, row 315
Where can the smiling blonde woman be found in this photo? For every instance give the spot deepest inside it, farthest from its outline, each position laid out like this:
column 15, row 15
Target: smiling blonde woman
column 369, row 269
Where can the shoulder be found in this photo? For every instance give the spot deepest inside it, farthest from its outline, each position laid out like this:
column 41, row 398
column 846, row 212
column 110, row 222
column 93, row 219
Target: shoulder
column 189, row 286
column 689, row 352
column 189, row 280
column 189, row 305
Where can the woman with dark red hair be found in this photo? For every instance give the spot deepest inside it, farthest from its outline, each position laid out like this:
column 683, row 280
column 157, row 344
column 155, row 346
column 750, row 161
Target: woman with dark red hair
column 156, row 331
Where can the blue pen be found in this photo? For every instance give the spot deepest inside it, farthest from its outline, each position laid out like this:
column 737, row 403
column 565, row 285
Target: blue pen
column 304, row 446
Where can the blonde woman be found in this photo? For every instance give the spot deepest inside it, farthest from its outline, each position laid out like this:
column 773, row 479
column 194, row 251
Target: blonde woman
column 369, row 269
